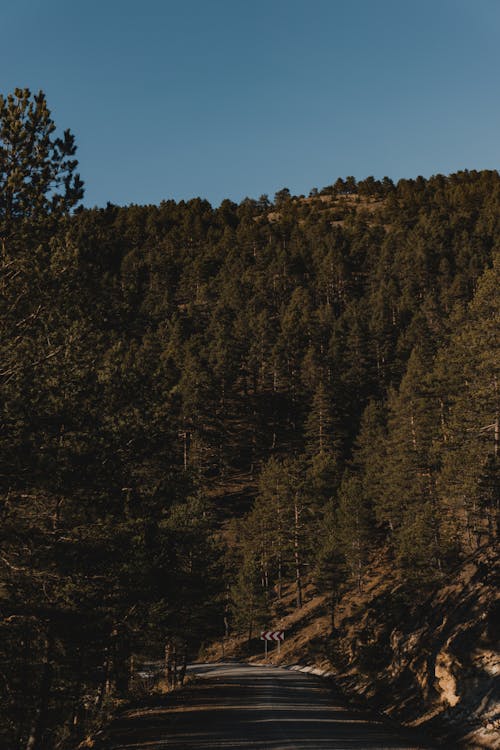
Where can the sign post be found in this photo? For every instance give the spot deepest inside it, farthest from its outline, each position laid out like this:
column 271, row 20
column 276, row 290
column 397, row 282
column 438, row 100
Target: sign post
column 272, row 635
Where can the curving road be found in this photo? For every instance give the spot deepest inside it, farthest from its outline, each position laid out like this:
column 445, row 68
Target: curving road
column 240, row 706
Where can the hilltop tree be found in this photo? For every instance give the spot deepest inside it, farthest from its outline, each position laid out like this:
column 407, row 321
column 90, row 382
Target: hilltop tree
column 38, row 186
column 37, row 169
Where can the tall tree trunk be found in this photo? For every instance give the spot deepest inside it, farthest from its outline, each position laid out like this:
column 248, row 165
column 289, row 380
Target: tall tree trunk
column 122, row 665
column 279, row 591
column 168, row 663
column 333, row 603
column 104, row 687
column 182, row 672
column 296, row 551
column 174, row 666
column 77, row 698
column 35, row 738
column 280, row 545
column 250, row 622
column 25, row 678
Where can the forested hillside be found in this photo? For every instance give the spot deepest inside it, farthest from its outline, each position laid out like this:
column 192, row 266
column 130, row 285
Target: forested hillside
column 201, row 405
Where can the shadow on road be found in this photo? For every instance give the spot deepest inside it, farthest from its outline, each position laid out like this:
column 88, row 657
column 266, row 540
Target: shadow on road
column 264, row 708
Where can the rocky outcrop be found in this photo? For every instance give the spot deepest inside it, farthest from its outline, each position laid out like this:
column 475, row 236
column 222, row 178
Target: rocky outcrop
column 435, row 664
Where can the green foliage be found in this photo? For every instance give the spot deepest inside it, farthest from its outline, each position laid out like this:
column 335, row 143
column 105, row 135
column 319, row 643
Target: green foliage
column 469, row 374
column 330, row 569
column 354, row 525
column 37, row 178
column 276, row 534
column 250, row 609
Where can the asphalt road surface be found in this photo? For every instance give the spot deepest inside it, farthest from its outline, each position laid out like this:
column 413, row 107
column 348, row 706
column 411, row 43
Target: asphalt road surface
column 239, row 706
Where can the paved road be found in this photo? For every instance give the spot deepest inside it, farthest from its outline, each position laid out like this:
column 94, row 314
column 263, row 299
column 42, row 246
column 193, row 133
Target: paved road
column 239, row 706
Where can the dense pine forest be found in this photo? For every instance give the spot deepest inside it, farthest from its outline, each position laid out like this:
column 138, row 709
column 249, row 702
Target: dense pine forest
column 201, row 406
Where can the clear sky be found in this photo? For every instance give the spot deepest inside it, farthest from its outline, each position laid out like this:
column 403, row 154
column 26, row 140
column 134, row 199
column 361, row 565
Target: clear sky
column 229, row 98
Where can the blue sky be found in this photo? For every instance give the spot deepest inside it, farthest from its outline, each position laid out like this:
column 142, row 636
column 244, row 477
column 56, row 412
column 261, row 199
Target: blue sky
column 229, row 98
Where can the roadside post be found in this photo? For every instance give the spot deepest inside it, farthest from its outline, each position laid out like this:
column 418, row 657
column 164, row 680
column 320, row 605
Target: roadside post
column 272, row 635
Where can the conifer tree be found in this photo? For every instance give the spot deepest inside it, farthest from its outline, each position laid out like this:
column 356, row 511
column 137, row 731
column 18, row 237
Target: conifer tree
column 468, row 483
column 249, row 604
column 353, row 525
column 37, row 169
column 411, row 471
column 320, row 424
column 330, row 569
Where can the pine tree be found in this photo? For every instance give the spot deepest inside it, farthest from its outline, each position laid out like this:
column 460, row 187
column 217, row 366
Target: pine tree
column 249, row 604
column 410, row 470
column 320, row 428
column 369, row 457
column 353, row 520
column 470, row 444
column 37, row 169
column 330, row 569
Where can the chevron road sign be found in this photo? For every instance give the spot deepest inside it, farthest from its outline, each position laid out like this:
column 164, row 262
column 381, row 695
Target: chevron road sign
column 272, row 635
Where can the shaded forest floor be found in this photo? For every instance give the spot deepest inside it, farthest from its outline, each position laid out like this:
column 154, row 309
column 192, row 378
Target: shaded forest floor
column 232, row 496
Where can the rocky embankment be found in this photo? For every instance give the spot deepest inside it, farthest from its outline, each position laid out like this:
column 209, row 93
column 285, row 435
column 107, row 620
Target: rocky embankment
column 435, row 664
